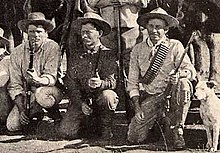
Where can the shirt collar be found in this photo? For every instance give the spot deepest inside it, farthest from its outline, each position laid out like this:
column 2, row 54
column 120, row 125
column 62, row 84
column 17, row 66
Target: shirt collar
column 29, row 48
column 99, row 46
column 149, row 42
column 96, row 48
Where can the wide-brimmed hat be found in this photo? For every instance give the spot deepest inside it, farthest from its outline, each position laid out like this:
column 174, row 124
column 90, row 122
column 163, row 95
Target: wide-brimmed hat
column 91, row 17
column 157, row 13
column 37, row 18
column 3, row 40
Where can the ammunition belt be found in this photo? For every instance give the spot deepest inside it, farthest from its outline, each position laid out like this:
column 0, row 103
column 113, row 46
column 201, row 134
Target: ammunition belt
column 155, row 65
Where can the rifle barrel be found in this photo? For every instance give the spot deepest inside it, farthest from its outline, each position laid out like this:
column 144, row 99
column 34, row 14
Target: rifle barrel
column 185, row 51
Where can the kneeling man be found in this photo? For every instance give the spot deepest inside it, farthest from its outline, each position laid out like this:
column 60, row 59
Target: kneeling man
column 151, row 64
column 90, row 82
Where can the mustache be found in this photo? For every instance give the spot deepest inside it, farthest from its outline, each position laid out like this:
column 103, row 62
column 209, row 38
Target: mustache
column 153, row 33
column 86, row 39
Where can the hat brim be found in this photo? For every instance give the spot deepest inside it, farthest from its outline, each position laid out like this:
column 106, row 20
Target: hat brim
column 47, row 24
column 105, row 26
column 4, row 41
column 171, row 21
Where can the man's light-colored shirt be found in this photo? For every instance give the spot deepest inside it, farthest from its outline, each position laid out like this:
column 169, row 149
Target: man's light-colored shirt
column 46, row 63
column 140, row 61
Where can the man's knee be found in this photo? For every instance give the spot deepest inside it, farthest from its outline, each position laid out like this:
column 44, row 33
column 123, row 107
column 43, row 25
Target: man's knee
column 48, row 96
column 108, row 99
column 138, row 133
column 13, row 122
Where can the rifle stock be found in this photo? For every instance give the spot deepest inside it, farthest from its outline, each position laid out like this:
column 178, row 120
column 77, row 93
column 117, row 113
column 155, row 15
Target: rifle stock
column 27, row 88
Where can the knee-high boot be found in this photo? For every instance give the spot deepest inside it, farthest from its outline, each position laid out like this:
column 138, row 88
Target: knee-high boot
column 106, row 118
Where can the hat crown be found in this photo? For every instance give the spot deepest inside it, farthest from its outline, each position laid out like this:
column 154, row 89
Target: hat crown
column 36, row 16
column 159, row 10
column 158, row 13
column 92, row 17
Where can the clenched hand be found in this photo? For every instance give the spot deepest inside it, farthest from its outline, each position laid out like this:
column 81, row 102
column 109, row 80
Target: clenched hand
column 95, row 82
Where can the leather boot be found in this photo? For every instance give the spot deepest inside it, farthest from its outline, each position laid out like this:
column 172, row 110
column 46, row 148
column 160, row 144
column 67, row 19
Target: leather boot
column 106, row 124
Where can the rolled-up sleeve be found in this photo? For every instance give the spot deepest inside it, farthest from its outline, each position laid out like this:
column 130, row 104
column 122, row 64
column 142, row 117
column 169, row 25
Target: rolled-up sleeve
column 109, row 83
column 133, row 76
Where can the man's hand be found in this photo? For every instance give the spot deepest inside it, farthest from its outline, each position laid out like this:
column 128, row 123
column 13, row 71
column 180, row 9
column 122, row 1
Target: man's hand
column 95, row 82
column 86, row 109
column 24, row 119
column 139, row 116
column 186, row 73
column 19, row 102
column 33, row 75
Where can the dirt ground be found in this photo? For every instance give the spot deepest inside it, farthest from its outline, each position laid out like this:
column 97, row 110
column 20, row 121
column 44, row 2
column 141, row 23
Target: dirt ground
column 20, row 144
column 43, row 141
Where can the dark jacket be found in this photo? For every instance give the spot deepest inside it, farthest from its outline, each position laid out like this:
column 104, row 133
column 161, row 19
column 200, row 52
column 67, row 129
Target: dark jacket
column 83, row 67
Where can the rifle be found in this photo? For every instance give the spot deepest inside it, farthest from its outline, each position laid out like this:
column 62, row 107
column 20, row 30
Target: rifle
column 117, row 21
column 169, row 88
column 27, row 84
column 122, row 76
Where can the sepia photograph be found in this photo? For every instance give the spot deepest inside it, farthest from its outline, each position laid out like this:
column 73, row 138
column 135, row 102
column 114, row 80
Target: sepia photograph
column 109, row 76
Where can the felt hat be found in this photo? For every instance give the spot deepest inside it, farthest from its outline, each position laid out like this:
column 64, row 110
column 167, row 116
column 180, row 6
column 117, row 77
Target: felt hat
column 157, row 13
column 35, row 18
column 3, row 40
column 91, row 17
